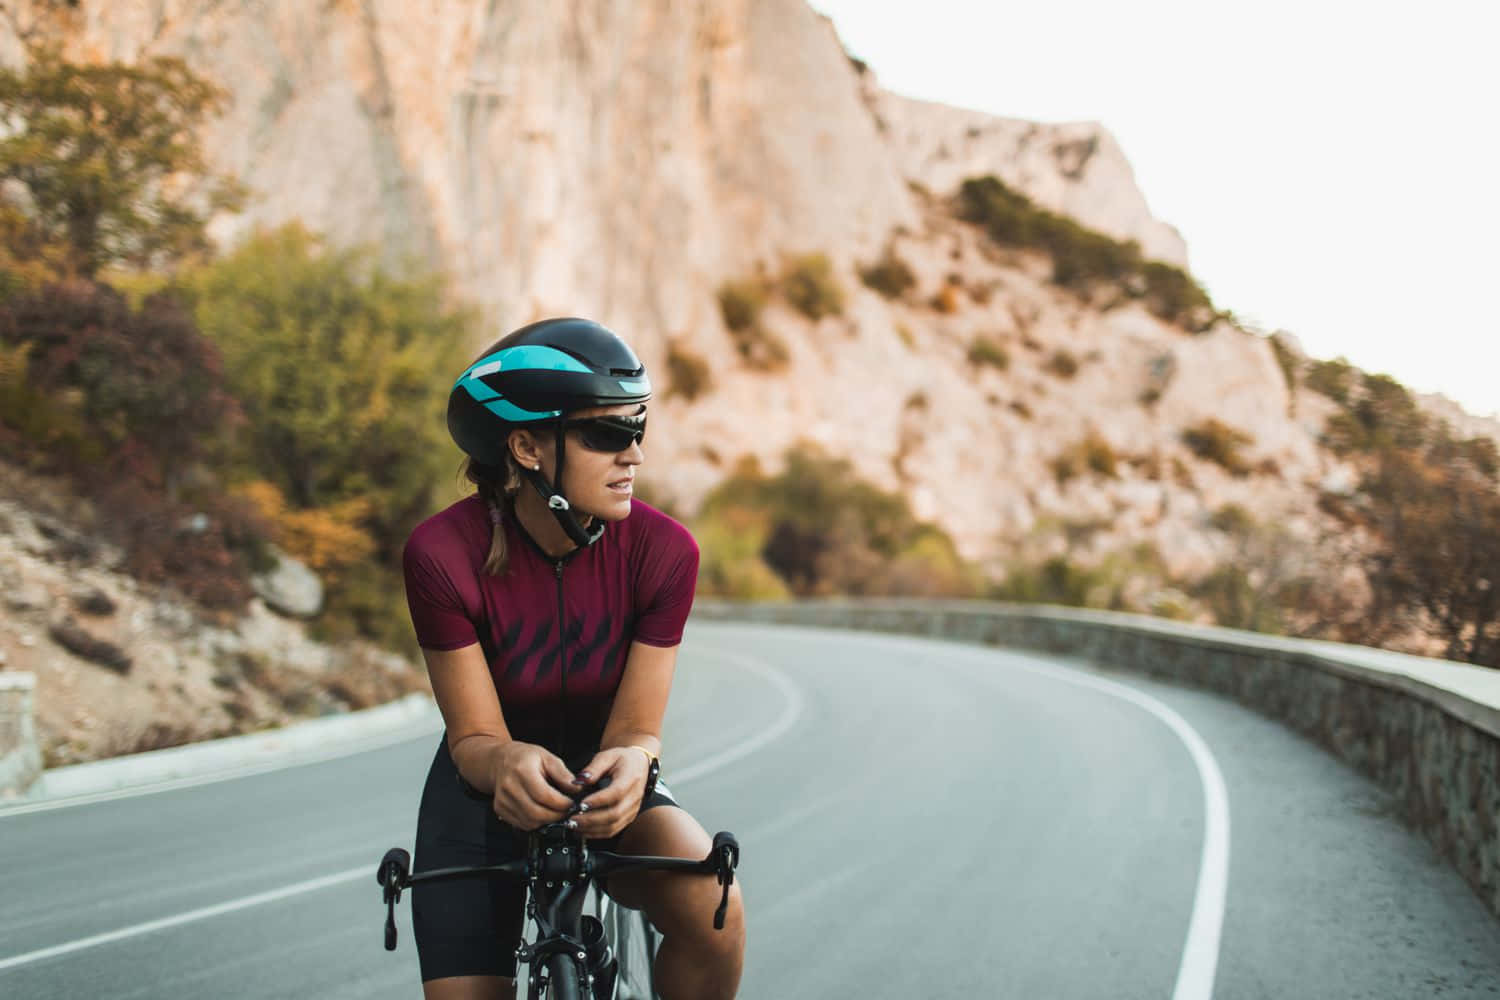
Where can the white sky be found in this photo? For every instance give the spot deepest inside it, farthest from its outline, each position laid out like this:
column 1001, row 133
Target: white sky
column 1331, row 164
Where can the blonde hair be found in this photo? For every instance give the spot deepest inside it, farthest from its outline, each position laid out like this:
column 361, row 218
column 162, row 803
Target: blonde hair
column 497, row 487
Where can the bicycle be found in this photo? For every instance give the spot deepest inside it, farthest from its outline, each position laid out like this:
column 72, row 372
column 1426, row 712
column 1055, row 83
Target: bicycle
column 571, row 957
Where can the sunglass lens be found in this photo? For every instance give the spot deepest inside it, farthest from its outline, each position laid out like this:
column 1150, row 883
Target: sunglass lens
column 608, row 435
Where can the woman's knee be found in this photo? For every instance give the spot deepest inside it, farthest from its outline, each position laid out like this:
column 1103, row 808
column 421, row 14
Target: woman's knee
column 687, row 915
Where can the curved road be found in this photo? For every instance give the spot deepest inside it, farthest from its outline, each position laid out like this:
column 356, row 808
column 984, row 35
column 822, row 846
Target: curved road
column 919, row 819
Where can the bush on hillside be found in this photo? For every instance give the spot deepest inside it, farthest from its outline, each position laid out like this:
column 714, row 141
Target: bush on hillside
column 1061, row 363
column 688, row 375
column 1219, row 443
column 1082, row 257
column 810, row 286
column 740, row 303
column 987, row 352
column 890, row 276
column 825, row 531
column 1334, row 379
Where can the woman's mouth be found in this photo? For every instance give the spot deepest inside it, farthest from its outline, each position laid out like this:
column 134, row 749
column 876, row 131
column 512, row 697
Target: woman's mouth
column 622, row 486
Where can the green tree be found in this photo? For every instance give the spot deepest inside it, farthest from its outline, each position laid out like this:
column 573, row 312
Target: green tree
column 343, row 372
column 110, row 162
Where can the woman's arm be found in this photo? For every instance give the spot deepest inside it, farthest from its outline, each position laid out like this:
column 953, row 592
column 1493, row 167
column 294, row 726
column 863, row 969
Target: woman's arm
column 522, row 779
column 635, row 720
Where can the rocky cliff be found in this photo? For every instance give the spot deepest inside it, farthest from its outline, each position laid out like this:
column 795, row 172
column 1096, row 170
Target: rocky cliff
column 623, row 159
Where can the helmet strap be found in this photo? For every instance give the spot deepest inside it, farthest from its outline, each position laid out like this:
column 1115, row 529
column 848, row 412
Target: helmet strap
column 558, row 504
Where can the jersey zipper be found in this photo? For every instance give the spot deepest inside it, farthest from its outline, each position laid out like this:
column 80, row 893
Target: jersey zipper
column 562, row 663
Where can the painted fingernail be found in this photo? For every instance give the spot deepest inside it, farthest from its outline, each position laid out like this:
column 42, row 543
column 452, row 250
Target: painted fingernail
column 572, row 824
column 583, row 807
column 584, row 776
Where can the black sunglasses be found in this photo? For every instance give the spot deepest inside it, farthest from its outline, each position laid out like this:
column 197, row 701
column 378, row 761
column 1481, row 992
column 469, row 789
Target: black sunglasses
column 608, row 433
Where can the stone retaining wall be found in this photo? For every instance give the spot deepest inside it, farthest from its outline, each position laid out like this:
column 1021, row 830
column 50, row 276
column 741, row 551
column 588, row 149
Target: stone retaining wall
column 20, row 757
column 1428, row 730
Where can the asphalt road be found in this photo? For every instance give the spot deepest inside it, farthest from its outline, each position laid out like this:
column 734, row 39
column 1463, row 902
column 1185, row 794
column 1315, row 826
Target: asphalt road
column 918, row 818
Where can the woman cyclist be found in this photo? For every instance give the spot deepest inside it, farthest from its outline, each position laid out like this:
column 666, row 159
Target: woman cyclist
column 549, row 606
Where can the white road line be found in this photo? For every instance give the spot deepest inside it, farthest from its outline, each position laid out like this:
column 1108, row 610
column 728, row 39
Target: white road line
column 791, row 711
column 311, row 885
column 1200, row 953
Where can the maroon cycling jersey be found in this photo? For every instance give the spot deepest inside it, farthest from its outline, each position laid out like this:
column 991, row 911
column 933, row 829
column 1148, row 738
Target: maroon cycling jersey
column 635, row 583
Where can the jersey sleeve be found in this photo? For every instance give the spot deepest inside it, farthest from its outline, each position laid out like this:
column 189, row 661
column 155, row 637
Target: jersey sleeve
column 669, row 577
column 434, row 595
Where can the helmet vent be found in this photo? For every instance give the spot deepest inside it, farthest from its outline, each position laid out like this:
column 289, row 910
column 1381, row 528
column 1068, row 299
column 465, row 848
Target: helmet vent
column 626, row 371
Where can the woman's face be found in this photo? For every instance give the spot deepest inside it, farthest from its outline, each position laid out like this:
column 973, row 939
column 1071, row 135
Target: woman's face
column 595, row 482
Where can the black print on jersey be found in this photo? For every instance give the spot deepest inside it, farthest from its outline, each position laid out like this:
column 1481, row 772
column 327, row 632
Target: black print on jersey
column 581, row 660
column 600, row 658
column 516, row 662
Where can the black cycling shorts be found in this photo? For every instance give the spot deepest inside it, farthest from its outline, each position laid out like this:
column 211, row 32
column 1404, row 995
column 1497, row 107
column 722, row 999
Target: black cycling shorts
column 470, row 927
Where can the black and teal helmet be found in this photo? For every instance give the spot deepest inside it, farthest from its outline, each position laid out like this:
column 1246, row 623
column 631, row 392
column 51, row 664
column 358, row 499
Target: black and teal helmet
column 534, row 377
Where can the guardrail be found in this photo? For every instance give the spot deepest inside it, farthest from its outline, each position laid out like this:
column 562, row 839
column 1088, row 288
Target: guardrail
column 1428, row 730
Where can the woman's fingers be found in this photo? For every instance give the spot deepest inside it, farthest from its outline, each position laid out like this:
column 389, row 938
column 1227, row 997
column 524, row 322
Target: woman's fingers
column 535, row 785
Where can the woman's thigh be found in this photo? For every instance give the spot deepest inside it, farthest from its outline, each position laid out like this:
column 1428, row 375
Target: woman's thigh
column 674, row 902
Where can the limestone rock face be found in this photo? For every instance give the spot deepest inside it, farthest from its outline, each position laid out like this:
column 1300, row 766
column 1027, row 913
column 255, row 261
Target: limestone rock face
column 610, row 159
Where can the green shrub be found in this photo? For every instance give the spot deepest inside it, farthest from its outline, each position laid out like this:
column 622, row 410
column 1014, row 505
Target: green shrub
column 1062, row 364
column 1232, row 519
column 1334, row 379
column 986, row 351
column 1082, row 257
column 809, row 284
column 822, row 530
column 740, row 302
column 1173, row 295
column 1219, row 443
column 688, row 375
column 1092, row 453
column 890, row 276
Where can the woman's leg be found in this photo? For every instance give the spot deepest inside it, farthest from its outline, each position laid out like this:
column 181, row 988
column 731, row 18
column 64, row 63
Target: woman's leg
column 695, row 962
column 470, row 988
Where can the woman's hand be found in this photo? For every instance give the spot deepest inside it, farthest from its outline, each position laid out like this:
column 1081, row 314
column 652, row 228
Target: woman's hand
column 607, row 812
column 527, row 779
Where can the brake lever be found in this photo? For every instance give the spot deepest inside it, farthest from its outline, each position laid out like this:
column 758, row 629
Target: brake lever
column 726, row 857
column 392, row 875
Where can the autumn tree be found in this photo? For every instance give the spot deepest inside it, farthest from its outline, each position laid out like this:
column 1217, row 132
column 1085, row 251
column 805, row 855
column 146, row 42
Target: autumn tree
column 1437, row 511
column 104, row 163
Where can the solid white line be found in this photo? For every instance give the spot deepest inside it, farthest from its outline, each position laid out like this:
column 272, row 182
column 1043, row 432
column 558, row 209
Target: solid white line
column 311, row 885
column 791, row 711
column 1200, row 953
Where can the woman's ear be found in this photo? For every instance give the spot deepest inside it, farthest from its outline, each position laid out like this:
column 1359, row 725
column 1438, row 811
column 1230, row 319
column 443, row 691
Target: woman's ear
column 525, row 448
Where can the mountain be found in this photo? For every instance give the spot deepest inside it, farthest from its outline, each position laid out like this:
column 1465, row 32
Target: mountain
column 625, row 160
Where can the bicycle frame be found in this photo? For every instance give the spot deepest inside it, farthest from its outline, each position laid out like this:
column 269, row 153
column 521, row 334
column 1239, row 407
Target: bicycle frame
column 570, row 956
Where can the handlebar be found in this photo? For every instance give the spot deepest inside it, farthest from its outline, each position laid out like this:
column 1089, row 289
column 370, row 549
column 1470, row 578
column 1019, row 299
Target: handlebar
column 565, row 861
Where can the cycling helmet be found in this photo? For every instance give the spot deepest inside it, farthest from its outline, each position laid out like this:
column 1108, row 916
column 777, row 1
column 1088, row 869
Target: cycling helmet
column 534, row 377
